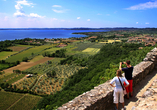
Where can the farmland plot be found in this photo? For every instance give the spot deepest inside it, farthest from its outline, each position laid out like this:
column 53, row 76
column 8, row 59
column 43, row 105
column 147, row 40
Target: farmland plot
column 11, row 78
column 91, row 50
column 41, row 68
column 16, row 101
column 4, row 55
column 19, row 47
column 28, row 53
column 8, row 98
column 97, row 45
column 82, row 46
column 25, row 65
column 26, row 103
column 49, row 85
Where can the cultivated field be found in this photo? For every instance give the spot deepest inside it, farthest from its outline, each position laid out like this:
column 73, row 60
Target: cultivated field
column 25, row 65
column 42, row 84
column 110, row 41
column 28, row 53
column 4, row 55
column 16, row 101
column 91, row 50
column 19, row 48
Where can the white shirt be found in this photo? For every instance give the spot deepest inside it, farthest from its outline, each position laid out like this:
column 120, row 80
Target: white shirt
column 117, row 83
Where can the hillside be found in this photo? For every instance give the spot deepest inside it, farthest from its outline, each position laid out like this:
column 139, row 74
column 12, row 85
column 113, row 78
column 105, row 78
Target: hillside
column 75, row 65
column 101, row 67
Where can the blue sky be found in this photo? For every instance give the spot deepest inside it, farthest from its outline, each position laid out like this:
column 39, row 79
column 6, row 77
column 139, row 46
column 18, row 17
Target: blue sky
column 77, row 13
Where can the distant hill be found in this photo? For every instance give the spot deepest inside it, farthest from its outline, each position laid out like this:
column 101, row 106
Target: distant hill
column 116, row 28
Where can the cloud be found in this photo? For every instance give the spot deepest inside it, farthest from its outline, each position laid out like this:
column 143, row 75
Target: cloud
column 57, row 6
column 107, row 14
column 142, row 6
column 78, row 17
column 35, row 15
column 146, row 23
column 19, row 10
column 136, row 22
column 19, row 14
column 24, row 2
column 58, row 9
column 88, row 19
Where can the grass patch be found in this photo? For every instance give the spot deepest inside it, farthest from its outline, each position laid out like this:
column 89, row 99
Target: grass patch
column 91, row 50
column 5, row 77
column 11, row 78
column 26, row 103
column 19, row 47
column 53, row 49
column 28, row 53
column 8, row 98
column 4, row 66
column 4, row 55
column 16, row 78
column 37, row 58
column 111, row 41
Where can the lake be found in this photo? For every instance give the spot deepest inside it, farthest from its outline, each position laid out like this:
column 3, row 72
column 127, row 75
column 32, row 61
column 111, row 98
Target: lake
column 41, row 34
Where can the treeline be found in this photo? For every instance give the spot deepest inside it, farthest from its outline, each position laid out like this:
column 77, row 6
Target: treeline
column 58, row 53
column 12, row 88
column 98, row 66
column 8, row 43
column 5, row 65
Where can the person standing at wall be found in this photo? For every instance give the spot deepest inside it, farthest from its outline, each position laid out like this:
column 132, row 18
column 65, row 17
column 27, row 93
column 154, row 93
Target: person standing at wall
column 118, row 90
column 128, row 75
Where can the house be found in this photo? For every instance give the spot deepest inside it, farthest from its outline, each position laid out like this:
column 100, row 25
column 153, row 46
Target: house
column 29, row 75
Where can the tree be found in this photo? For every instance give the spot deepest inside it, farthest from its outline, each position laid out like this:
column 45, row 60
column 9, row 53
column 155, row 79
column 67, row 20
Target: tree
column 51, row 73
column 25, row 59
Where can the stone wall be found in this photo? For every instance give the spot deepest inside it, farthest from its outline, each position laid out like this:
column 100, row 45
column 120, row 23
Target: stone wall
column 101, row 97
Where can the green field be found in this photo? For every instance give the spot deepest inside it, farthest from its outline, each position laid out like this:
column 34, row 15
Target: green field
column 8, row 98
column 26, row 103
column 18, row 48
column 11, row 78
column 37, row 58
column 53, row 49
column 16, row 101
column 35, row 50
column 41, row 68
column 91, row 50
column 4, row 55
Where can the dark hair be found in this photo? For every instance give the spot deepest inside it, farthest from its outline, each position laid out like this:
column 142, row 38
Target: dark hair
column 128, row 62
column 119, row 73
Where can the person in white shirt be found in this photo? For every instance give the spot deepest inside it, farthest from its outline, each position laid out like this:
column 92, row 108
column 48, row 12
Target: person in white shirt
column 118, row 90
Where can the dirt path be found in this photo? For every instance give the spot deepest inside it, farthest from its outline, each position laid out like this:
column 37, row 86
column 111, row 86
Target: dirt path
column 25, row 65
column 138, row 91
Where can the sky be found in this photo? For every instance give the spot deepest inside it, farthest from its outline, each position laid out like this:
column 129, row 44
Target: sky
column 78, row 13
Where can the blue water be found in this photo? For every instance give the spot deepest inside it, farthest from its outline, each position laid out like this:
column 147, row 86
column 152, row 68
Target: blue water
column 41, row 34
